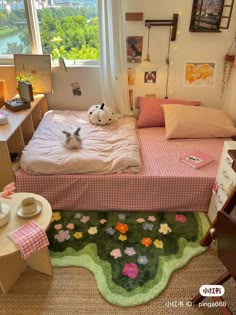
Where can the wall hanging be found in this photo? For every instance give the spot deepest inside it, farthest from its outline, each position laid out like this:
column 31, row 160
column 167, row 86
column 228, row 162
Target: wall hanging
column 229, row 63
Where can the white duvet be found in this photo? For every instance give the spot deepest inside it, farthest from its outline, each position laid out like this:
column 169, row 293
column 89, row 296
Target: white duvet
column 104, row 149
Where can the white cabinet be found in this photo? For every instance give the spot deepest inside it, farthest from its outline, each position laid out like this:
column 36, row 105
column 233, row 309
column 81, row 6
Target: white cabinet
column 225, row 181
column 16, row 134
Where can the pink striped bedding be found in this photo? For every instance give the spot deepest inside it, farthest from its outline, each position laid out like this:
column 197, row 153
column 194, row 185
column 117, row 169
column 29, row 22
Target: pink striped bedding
column 164, row 184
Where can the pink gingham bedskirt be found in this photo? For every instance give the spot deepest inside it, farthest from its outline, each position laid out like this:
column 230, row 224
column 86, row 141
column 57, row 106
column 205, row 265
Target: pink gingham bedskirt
column 29, row 238
column 164, row 184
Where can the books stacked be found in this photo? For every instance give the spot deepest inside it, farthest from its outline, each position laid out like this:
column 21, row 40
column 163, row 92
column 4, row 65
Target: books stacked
column 197, row 159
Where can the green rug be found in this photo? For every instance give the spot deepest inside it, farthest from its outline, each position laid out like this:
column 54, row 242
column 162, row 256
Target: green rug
column 131, row 254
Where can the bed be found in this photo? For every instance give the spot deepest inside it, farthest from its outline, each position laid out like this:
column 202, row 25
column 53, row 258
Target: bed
column 163, row 182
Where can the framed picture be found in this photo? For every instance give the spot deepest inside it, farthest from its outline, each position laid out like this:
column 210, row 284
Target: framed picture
column 199, row 74
column 206, row 15
column 134, row 47
column 38, row 67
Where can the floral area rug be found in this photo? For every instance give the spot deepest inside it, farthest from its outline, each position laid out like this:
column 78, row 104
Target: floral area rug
column 131, row 254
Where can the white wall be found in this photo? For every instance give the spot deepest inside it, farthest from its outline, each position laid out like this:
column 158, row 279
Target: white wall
column 188, row 47
column 62, row 96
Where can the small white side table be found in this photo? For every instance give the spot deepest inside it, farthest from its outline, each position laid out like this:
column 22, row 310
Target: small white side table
column 12, row 264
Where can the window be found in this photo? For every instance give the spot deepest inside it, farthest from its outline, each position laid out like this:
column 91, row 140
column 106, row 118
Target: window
column 62, row 28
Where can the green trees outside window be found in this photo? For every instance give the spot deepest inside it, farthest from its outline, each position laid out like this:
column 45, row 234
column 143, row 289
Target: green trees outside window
column 75, row 27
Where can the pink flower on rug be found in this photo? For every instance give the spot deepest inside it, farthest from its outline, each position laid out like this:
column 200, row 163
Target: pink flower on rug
column 140, row 220
column 62, row 236
column 116, row 253
column 102, row 221
column 151, row 218
column 130, row 270
column 84, row 219
column 130, row 251
column 58, row 226
column 180, row 218
column 70, row 226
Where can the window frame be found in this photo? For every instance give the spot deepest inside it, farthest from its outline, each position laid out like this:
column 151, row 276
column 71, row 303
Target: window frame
column 35, row 41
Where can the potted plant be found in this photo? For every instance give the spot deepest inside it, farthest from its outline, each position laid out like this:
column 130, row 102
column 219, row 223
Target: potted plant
column 25, row 78
column 59, row 52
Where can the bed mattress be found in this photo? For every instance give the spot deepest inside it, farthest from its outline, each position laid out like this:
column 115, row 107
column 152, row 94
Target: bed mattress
column 164, row 184
column 106, row 149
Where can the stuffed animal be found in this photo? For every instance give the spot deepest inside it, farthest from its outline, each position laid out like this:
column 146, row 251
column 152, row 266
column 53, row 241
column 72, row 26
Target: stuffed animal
column 100, row 114
column 72, row 141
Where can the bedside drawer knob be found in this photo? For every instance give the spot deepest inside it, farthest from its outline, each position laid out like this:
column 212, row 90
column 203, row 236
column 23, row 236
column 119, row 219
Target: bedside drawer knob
column 225, row 175
column 229, row 161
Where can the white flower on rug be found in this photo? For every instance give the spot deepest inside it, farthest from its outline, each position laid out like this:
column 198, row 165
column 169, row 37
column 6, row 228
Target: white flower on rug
column 164, row 228
column 116, row 253
column 122, row 216
column 92, row 230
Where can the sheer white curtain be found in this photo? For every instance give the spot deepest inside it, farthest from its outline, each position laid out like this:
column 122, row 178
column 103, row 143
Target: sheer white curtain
column 114, row 80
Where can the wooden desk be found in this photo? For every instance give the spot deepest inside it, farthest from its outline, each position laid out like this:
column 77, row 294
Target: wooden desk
column 11, row 263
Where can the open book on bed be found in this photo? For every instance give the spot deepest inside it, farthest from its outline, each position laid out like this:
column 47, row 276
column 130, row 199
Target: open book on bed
column 197, row 159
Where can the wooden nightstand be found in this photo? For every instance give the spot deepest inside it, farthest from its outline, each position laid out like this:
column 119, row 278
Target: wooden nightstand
column 225, row 180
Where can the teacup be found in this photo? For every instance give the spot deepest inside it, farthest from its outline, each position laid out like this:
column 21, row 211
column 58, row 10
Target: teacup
column 29, row 205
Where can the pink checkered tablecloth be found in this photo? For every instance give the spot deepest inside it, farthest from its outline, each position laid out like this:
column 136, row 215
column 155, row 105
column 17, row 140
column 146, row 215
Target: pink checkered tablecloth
column 29, row 238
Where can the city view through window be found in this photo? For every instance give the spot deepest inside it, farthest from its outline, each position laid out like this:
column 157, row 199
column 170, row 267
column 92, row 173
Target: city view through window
column 68, row 28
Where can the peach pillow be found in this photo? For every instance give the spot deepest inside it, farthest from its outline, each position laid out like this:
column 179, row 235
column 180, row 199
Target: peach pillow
column 151, row 113
column 197, row 122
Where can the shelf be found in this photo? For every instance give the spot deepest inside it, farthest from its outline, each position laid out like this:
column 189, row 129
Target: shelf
column 16, row 134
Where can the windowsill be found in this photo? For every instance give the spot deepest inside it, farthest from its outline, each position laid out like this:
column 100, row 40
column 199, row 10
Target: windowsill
column 9, row 61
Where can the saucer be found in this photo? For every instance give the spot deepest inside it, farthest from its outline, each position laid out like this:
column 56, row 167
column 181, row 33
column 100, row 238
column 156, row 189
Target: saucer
column 21, row 214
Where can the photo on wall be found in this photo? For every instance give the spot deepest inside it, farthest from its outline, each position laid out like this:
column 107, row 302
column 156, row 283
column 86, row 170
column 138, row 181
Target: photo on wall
column 199, row 74
column 76, row 90
column 134, row 48
column 131, row 76
column 150, row 77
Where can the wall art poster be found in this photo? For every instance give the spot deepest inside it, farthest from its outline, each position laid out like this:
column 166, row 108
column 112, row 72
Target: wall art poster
column 134, row 47
column 37, row 66
column 199, row 74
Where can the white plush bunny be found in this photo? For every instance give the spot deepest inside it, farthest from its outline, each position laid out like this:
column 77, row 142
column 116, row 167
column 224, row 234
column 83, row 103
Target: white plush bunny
column 72, row 141
column 100, row 114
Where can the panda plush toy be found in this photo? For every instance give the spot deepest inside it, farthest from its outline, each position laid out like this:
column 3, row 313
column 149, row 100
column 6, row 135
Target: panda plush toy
column 100, row 114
